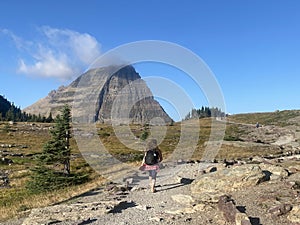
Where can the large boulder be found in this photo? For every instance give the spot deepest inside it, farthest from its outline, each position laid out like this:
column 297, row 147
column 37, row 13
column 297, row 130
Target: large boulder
column 209, row 187
column 275, row 172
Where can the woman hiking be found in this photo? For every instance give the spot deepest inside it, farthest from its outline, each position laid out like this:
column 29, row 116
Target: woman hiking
column 151, row 161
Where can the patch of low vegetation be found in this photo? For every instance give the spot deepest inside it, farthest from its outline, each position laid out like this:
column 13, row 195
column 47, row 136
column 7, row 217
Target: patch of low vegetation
column 234, row 132
column 277, row 118
column 35, row 175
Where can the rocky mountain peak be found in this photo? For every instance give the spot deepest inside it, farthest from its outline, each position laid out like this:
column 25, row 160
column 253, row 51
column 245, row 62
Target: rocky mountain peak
column 117, row 91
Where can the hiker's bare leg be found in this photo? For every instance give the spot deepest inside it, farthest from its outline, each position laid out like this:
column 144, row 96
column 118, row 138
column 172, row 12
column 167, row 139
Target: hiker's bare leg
column 153, row 185
column 152, row 180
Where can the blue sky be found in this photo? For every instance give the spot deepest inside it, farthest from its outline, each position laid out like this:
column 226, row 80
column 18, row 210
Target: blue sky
column 252, row 47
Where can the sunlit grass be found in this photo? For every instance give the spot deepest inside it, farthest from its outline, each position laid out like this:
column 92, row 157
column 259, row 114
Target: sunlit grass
column 17, row 200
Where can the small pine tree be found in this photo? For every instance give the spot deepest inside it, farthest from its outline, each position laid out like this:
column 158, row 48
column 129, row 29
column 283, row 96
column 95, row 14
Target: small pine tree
column 56, row 152
column 49, row 119
column 145, row 132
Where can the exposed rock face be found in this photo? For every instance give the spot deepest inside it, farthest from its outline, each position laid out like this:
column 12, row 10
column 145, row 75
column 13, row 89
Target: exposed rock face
column 69, row 213
column 109, row 93
column 231, row 214
column 209, row 187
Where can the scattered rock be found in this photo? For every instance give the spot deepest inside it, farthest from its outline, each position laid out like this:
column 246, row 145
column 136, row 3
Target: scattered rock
column 257, row 159
column 294, row 215
column 294, row 181
column 231, row 215
column 276, row 172
column 280, row 209
column 5, row 161
column 209, row 187
column 4, row 180
column 242, row 219
column 182, row 211
column 183, row 180
column 183, row 199
column 59, row 213
column 212, row 169
column 294, row 168
column 144, row 207
column 227, row 206
column 156, row 219
column 200, row 207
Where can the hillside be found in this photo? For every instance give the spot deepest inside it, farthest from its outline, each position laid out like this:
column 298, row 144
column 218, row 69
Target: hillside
column 8, row 111
column 270, row 144
column 4, row 105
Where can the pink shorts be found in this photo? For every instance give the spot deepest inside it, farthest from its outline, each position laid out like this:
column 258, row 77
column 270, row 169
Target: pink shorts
column 152, row 167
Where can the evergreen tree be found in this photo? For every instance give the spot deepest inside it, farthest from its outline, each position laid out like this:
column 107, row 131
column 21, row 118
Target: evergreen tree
column 204, row 112
column 57, row 150
column 49, row 174
column 49, row 119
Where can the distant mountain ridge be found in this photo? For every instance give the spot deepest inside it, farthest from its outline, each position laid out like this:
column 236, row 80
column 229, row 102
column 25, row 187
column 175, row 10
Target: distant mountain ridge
column 126, row 78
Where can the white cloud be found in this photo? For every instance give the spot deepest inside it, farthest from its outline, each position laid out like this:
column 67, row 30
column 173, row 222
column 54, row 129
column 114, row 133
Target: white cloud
column 59, row 53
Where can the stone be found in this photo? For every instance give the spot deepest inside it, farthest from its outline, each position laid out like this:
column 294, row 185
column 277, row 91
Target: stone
column 200, row 207
column 156, row 219
column 257, row 159
column 280, row 210
column 183, row 180
column 5, row 161
column 294, row 181
column 4, row 180
column 242, row 219
column 212, row 169
column 209, row 187
column 294, row 168
column 231, row 215
column 183, row 199
column 294, row 215
column 227, row 206
column 59, row 213
column 277, row 172
column 143, row 207
column 188, row 210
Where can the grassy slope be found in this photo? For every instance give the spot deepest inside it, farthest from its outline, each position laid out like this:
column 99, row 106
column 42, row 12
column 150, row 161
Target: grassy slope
column 278, row 118
column 28, row 139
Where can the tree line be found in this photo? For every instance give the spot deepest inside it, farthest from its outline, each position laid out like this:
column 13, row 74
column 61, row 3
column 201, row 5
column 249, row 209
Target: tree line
column 10, row 112
column 204, row 112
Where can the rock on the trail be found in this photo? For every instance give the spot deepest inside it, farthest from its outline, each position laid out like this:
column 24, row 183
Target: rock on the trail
column 228, row 208
column 209, row 187
column 183, row 199
column 69, row 213
column 280, row 210
column 294, row 168
column 183, row 180
column 276, row 172
column 294, row 215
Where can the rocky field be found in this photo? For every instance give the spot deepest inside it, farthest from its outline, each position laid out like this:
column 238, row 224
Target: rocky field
column 255, row 179
column 256, row 192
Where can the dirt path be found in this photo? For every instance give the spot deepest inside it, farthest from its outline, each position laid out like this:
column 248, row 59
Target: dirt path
column 137, row 206
column 159, row 208
column 114, row 204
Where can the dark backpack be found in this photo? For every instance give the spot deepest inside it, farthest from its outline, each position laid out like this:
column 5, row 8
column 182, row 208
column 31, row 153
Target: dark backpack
column 151, row 157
